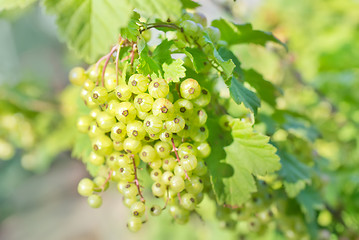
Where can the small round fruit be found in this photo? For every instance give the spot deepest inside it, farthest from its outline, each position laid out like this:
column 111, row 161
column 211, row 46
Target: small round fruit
column 85, row 187
column 163, row 149
column 135, row 130
column 163, row 109
column 176, row 125
column 204, row 98
column 77, row 76
column 96, row 159
column 132, row 145
column 189, row 27
column 94, row 201
column 177, row 184
column 189, row 201
column 105, row 121
column 102, row 145
column 134, row 224
column 189, row 162
column 123, row 92
column 214, row 33
column 158, row 189
column 152, row 124
column 203, row 149
column 126, row 112
column 190, row 89
column 118, row 131
column 138, row 209
column 99, row 95
column 143, row 102
column 138, row 83
column 158, row 88
column 148, row 154
column 83, row 123
column 155, row 210
column 183, row 107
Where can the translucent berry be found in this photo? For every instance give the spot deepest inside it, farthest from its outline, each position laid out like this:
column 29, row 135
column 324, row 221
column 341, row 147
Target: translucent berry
column 132, row 145
column 135, row 130
column 102, row 145
column 190, row 89
column 152, row 124
column 143, row 102
column 138, row 83
column 183, row 107
column 77, row 76
column 163, row 109
column 99, row 95
column 126, row 112
column 158, row 88
column 85, row 187
column 123, row 92
column 94, row 201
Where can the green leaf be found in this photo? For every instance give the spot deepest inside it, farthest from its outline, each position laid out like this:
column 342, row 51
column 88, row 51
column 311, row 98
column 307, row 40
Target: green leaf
column 131, row 31
column 147, row 64
column 293, row 189
column 162, row 53
column 243, row 33
column 174, row 71
column 310, row 201
column 189, row 4
column 198, row 58
column 82, row 147
column 158, row 8
column 90, row 26
column 241, row 94
column 12, row 4
column 225, row 66
column 227, row 54
column 265, row 89
column 292, row 169
column 249, row 154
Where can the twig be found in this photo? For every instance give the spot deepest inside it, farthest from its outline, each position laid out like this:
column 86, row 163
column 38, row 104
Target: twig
column 106, row 181
column 107, row 60
column 136, row 179
column 178, row 159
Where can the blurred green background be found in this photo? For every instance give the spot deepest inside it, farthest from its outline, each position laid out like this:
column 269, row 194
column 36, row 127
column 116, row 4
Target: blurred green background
column 38, row 197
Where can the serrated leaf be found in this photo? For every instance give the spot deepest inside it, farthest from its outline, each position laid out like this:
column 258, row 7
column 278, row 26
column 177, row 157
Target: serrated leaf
column 310, row 201
column 161, row 8
column 12, row 4
column 227, row 54
column 174, row 71
column 292, row 169
column 241, row 94
column 265, row 89
column 249, row 154
column 198, row 58
column 293, row 189
column 226, row 66
column 162, row 53
column 243, row 33
column 131, row 31
column 82, row 147
column 189, row 4
column 90, row 26
column 147, row 65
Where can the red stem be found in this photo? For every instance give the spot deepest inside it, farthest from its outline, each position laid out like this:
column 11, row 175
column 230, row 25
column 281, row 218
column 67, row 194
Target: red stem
column 106, row 181
column 178, row 159
column 136, row 179
column 107, row 60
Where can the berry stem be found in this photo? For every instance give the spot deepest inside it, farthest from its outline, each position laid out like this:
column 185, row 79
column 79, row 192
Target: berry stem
column 107, row 60
column 136, row 179
column 168, row 197
column 106, row 181
column 117, row 58
column 159, row 25
column 178, row 159
column 133, row 53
